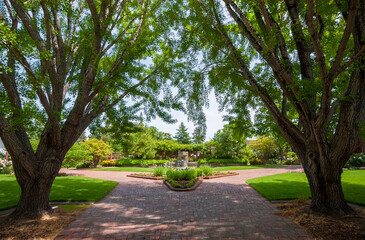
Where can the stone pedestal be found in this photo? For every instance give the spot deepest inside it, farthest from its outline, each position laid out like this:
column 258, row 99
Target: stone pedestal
column 183, row 159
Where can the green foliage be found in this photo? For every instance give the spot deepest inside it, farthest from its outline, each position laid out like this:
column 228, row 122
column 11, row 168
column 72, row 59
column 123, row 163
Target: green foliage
column 292, row 156
column 98, row 149
column 206, row 170
column 198, row 136
column 357, row 160
column 141, row 162
column 109, row 163
column 255, row 161
column 243, row 161
column 199, row 172
column 182, row 135
column 76, row 155
column 159, row 171
column 228, row 146
column 181, row 174
column 84, row 165
column 288, row 162
column 143, row 146
column 175, row 184
column 263, row 147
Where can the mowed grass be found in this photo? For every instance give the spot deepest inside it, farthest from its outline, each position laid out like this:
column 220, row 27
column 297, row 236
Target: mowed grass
column 225, row 168
column 293, row 185
column 70, row 188
column 124, row 169
column 231, row 168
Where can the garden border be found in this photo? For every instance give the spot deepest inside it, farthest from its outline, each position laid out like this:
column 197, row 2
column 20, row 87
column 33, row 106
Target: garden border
column 192, row 188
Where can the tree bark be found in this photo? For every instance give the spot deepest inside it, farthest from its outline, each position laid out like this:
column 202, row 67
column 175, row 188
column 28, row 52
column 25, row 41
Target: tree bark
column 35, row 190
column 327, row 194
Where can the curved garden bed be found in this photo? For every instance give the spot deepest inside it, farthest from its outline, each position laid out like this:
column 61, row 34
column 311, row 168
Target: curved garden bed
column 173, row 188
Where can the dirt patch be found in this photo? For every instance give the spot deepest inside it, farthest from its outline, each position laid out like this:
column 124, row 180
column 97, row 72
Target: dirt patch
column 46, row 228
column 324, row 227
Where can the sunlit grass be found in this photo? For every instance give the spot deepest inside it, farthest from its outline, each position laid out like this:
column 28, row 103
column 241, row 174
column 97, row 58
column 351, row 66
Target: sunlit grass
column 70, row 188
column 294, row 185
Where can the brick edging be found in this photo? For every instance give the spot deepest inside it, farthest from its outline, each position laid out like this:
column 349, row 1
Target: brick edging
column 195, row 186
column 145, row 177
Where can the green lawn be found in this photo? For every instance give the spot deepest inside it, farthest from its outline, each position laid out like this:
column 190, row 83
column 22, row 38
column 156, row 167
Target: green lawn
column 294, row 185
column 230, row 168
column 141, row 169
column 70, row 188
column 124, row 169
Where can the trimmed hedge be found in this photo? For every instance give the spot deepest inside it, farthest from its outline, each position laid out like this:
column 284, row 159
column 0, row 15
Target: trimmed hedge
column 131, row 162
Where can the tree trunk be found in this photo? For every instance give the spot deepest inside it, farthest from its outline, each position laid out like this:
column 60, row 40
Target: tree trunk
column 34, row 199
column 326, row 189
column 35, row 190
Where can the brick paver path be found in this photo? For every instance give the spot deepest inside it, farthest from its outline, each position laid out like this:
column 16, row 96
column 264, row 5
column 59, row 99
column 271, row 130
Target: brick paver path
column 222, row 208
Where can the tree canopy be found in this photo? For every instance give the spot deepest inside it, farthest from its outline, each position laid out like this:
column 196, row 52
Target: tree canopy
column 182, row 135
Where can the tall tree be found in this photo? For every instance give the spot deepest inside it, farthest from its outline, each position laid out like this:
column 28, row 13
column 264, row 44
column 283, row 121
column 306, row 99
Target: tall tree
column 182, row 135
column 198, row 135
column 66, row 62
column 227, row 144
column 304, row 55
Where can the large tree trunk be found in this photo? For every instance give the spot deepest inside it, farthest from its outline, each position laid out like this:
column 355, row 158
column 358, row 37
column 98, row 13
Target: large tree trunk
column 35, row 190
column 327, row 194
column 324, row 178
column 34, row 199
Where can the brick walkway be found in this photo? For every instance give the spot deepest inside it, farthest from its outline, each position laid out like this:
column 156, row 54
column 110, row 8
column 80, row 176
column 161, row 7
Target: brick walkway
column 223, row 208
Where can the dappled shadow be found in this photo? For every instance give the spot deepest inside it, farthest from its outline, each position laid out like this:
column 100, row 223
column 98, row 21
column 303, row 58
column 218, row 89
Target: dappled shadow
column 217, row 209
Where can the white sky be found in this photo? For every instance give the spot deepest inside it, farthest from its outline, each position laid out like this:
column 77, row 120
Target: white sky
column 213, row 116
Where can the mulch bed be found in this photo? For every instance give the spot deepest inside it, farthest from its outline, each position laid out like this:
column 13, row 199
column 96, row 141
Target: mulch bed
column 325, row 227
column 195, row 186
column 46, row 228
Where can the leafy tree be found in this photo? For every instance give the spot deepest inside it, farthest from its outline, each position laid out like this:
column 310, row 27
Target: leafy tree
column 198, row 136
column 306, row 56
column 77, row 154
column 182, row 135
column 143, row 145
column 63, row 64
column 227, row 146
column 98, row 149
column 264, row 147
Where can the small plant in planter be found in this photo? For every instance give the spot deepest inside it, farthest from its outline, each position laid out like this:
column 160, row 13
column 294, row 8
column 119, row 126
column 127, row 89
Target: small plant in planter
column 181, row 178
column 159, row 171
column 206, row 170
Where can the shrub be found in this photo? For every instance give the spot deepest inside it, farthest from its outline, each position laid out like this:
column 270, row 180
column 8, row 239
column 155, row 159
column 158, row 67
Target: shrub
column 291, row 156
column 199, row 172
column 76, row 155
column 109, row 163
column 159, row 171
column 288, row 162
column 203, row 160
column 84, row 165
column 177, row 185
column 255, row 161
column 5, row 166
column 206, row 170
column 263, row 147
column 181, row 174
column 141, row 162
column 98, row 149
column 357, row 160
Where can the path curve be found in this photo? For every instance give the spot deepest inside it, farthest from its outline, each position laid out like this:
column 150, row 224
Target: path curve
column 222, row 208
